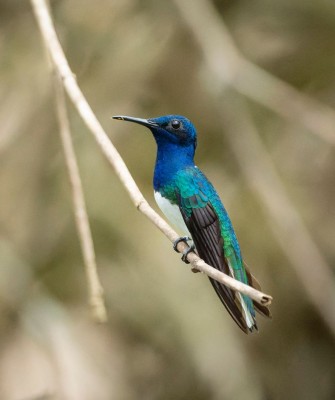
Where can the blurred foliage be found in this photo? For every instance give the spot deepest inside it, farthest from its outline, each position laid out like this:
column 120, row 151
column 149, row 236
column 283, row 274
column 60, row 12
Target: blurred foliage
column 168, row 336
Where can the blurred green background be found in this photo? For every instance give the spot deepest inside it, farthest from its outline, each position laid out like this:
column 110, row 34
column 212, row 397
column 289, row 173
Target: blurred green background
column 168, row 336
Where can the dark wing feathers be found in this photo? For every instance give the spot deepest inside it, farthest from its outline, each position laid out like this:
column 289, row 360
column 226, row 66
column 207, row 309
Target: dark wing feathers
column 204, row 226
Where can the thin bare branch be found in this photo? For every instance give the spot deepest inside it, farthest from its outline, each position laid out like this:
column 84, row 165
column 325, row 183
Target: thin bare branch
column 288, row 226
column 61, row 65
column 96, row 299
column 231, row 68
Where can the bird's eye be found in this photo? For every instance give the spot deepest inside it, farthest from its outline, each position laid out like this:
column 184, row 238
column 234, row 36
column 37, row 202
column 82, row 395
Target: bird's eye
column 175, row 124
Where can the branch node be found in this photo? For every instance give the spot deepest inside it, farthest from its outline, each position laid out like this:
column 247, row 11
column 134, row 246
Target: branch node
column 266, row 300
column 140, row 203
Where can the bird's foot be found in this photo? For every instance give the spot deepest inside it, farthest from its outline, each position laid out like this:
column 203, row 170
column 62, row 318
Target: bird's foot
column 184, row 239
column 185, row 253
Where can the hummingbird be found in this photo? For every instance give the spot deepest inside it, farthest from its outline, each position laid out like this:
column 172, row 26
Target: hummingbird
column 190, row 202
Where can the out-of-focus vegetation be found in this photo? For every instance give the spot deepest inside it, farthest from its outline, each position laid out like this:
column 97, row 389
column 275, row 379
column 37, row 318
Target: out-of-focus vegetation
column 168, row 336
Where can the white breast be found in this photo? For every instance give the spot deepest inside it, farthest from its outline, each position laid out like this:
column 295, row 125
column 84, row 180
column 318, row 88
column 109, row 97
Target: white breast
column 172, row 213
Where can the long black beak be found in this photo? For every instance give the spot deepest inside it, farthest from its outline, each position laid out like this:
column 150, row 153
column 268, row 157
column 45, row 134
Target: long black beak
column 142, row 121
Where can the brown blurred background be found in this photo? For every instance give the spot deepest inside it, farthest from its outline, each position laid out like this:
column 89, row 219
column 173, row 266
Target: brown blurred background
column 168, row 337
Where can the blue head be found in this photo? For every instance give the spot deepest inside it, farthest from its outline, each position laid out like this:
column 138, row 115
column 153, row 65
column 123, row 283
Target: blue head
column 169, row 129
column 176, row 140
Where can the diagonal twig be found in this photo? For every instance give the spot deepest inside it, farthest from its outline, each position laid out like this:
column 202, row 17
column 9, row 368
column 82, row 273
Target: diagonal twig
column 61, row 65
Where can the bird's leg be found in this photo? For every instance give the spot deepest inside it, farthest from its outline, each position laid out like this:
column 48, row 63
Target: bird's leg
column 191, row 248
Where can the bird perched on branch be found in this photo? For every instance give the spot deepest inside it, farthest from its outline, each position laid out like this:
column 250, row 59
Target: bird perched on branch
column 191, row 203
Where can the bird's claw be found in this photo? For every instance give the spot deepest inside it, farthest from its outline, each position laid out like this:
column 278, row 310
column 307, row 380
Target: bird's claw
column 184, row 239
column 185, row 253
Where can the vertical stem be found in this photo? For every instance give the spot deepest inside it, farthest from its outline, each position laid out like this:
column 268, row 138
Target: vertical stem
column 83, row 227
